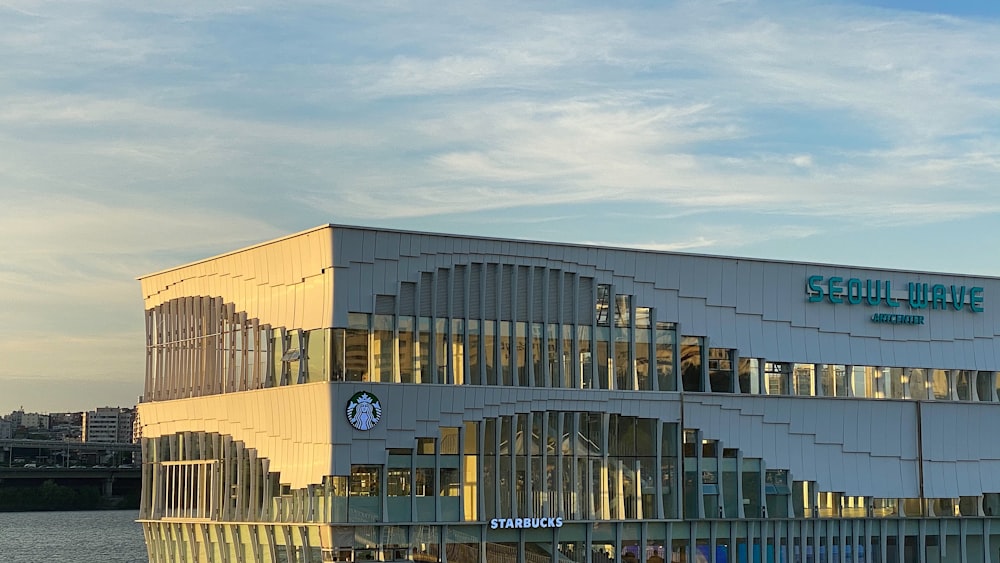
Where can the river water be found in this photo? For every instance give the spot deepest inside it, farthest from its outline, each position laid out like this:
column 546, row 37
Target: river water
column 77, row 537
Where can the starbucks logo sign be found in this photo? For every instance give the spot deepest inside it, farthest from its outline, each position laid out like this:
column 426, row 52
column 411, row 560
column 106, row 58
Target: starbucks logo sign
column 363, row 410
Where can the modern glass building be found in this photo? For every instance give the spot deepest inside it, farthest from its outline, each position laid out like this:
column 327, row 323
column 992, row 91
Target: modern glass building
column 357, row 394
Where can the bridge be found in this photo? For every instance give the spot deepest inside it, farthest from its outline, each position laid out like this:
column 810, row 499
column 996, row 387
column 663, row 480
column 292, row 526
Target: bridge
column 55, row 452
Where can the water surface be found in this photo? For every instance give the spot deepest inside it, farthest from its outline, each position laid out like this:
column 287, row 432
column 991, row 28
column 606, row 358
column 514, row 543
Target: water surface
column 75, row 537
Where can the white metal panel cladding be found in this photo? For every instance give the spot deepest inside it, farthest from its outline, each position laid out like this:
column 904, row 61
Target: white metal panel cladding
column 783, row 431
column 766, row 290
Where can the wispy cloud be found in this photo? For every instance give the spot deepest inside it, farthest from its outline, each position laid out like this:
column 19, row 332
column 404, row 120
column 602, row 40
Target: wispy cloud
column 135, row 137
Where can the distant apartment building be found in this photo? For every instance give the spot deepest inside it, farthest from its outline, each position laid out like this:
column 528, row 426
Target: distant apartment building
column 29, row 419
column 6, row 429
column 108, row 424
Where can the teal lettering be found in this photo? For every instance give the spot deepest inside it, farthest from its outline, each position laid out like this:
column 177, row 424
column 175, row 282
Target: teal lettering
column 835, row 290
column 976, row 299
column 854, row 291
column 958, row 299
column 873, row 297
column 888, row 295
column 937, row 295
column 814, row 289
column 917, row 294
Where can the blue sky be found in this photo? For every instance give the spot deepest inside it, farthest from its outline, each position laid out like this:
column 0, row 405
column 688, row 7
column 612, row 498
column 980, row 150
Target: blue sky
column 137, row 136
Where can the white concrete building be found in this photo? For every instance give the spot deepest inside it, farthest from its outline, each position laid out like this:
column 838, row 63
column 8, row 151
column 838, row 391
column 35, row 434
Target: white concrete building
column 357, row 394
column 108, row 424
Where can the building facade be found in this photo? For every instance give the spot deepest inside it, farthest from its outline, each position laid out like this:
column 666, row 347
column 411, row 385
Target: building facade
column 108, row 424
column 355, row 394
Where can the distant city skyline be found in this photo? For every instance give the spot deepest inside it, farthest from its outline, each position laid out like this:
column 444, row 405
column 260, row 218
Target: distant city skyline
column 138, row 137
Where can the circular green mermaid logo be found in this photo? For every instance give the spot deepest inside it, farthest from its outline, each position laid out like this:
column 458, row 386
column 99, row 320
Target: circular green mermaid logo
column 363, row 410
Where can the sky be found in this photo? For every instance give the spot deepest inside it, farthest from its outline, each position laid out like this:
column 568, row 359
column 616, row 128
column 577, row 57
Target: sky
column 135, row 136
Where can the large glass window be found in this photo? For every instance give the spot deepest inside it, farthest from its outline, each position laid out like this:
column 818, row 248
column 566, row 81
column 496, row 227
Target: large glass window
column 553, row 360
column 506, row 354
column 643, row 349
column 832, row 380
column 896, row 382
column 666, row 345
column 963, row 385
column 941, row 384
column 776, row 377
column 750, row 376
column 458, row 351
column 382, row 344
column 868, row 381
column 571, row 378
column 691, row 372
column 357, row 347
column 804, row 379
column 720, row 369
column 521, row 353
column 424, row 372
column 984, row 386
column 537, row 361
column 490, row 351
column 586, row 359
column 604, row 369
column 603, row 308
column 917, row 381
column 442, row 352
column 475, row 376
column 407, row 347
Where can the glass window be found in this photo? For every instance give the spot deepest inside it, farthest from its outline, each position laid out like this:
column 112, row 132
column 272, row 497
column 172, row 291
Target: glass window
column 475, row 376
column 506, row 360
column 869, row 381
column 896, row 382
column 356, row 347
column 623, row 310
column 521, row 353
column 917, row 383
column 382, row 343
column 963, row 385
column 567, row 365
column 666, row 344
column 490, row 351
column 776, row 376
column 691, row 372
column 804, row 379
column 832, row 380
column 586, row 359
column 603, row 304
column 458, row 351
column 603, row 342
column 441, row 351
column 553, row 360
column 423, row 354
column 316, row 361
column 407, row 347
column 538, row 364
column 720, row 369
column 624, row 373
column 750, row 376
column 643, row 356
column 941, row 384
column 984, row 386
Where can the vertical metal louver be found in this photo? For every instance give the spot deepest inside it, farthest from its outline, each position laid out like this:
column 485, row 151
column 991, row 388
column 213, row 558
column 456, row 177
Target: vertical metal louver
column 492, row 291
column 538, row 294
column 585, row 301
column 458, row 292
column 426, row 292
column 475, row 291
column 408, row 299
column 523, row 292
column 554, row 277
column 569, row 298
column 385, row 305
column 506, row 292
column 443, row 293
